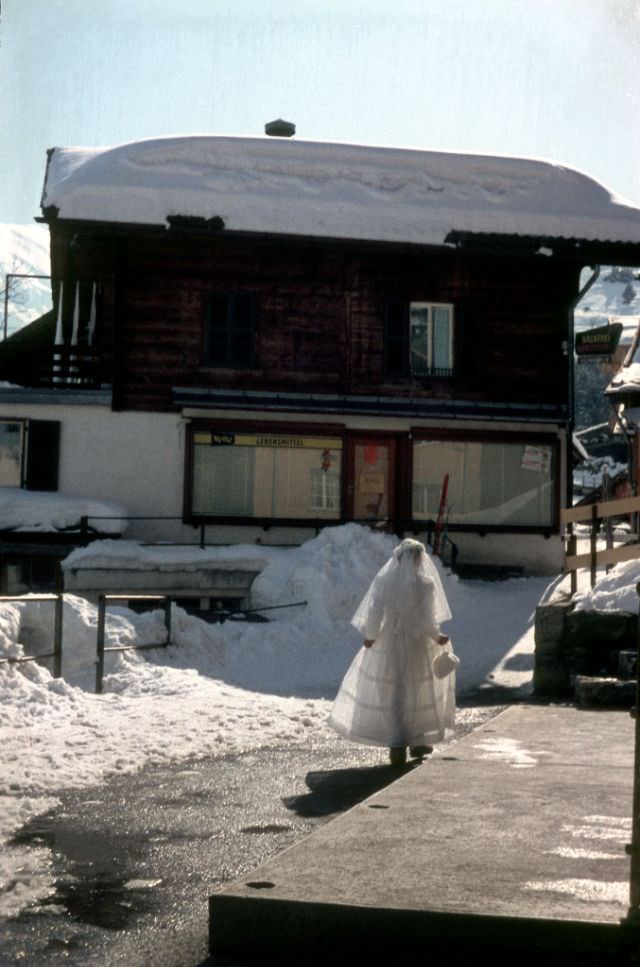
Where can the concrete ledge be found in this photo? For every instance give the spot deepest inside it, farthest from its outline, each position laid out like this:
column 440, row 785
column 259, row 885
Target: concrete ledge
column 277, row 930
column 511, row 839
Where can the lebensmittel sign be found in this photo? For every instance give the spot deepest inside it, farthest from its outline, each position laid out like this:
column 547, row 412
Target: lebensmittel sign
column 601, row 341
column 269, row 440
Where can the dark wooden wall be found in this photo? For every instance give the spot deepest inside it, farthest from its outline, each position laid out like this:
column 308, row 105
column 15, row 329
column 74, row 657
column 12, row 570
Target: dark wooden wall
column 320, row 314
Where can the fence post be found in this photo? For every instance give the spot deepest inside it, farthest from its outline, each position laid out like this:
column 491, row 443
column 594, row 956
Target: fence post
column 102, row 605
column 633, row 849
column 167, row 618
column 57, row 636
column 202, row 538
column 594, row 544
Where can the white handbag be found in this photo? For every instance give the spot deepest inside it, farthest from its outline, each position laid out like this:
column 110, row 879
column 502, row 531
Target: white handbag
column 445, row 662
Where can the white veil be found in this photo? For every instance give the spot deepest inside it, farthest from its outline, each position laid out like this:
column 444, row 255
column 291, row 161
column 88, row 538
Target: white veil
column 408, row 584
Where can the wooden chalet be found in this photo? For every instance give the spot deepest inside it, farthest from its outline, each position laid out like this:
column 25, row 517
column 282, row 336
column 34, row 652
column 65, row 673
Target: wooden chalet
column 270, row 336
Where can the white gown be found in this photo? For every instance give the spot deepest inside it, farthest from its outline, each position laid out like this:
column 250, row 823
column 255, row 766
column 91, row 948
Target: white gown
column 390, row 695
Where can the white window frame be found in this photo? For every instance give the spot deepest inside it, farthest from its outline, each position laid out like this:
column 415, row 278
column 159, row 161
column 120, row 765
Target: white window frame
column 430, row 368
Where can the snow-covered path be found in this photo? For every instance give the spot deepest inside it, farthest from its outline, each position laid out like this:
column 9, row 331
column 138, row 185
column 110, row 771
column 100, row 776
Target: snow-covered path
column 219, row 688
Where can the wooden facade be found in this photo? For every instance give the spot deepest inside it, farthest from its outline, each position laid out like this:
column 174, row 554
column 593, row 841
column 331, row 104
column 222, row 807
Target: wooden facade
column 320, row 310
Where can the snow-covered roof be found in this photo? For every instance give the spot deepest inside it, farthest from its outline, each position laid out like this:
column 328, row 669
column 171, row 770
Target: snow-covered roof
column 292, row 187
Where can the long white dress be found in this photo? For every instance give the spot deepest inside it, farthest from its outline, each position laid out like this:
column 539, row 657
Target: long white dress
column 390, row 695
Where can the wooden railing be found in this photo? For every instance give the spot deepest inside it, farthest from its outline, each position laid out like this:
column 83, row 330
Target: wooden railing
column 594, row 558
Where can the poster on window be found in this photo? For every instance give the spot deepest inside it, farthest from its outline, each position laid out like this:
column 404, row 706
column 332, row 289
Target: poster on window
column 536, row 459
column 371, row 483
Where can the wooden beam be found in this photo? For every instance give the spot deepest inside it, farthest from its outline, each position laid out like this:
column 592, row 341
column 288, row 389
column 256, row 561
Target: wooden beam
column 609, row 508
column 627, row 552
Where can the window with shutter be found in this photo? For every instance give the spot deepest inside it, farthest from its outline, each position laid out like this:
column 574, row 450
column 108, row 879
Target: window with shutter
column 230, row 328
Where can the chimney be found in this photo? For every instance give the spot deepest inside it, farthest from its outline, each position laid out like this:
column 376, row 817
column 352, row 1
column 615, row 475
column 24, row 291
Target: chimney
column 280, row 129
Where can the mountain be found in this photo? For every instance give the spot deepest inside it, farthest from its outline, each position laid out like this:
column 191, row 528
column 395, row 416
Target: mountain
column 24, row 250
column 615, row 296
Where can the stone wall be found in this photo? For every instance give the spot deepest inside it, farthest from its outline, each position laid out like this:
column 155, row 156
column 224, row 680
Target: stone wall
column 571, row 643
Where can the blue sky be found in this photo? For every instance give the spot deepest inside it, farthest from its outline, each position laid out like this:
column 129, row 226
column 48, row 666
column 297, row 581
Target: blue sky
column 557, row 79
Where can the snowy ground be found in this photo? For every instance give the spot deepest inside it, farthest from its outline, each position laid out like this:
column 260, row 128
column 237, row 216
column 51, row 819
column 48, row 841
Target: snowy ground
column 218, row 688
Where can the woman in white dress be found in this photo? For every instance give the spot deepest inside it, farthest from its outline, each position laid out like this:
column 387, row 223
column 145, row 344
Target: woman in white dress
column 391, row 695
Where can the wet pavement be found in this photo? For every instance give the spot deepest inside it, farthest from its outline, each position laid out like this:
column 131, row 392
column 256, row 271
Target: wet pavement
column 132, row 862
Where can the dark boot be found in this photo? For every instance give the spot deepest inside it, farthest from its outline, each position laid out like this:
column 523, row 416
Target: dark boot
column 398, row 755
column 420, row 751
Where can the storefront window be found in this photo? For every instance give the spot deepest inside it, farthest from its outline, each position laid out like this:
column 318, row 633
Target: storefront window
column 266, row 475
column 492, row 483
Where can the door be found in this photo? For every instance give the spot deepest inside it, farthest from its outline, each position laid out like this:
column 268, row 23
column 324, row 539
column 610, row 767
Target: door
column 371, row 479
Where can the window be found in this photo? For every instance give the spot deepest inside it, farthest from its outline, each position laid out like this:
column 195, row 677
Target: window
column 10, row 454
column 29, row 453
column 492, row 483
column 230, row 326
column 419, row 338
column 266, row 475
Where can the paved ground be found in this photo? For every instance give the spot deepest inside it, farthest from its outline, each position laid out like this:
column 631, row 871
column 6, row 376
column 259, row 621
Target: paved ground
column 510, row 841
column 134, row 861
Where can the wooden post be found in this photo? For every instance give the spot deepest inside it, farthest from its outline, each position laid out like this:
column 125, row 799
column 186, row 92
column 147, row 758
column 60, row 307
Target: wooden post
column 633, row 849
column 572, row 548
column 594, row 544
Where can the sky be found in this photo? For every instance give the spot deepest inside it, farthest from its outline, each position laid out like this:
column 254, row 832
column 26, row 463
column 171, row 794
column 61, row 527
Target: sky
column 553, row 79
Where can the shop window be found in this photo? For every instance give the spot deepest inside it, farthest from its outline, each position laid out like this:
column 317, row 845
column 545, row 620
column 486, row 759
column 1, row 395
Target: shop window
column 264, row 475
column 230, row 327
column 419, row 338
column 491, row 483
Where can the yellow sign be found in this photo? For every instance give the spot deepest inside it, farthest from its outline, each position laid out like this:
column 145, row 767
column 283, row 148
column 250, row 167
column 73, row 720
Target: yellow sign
column 272, row 441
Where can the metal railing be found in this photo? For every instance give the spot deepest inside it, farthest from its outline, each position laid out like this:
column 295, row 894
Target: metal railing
column 56, row 654
column 101, row 649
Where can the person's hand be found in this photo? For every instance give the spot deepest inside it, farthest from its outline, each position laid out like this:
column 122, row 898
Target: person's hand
column 368, row 642
column 442, row 639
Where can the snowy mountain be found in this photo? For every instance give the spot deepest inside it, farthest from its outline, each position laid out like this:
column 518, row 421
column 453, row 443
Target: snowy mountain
column 24, row 250
column 614, row 296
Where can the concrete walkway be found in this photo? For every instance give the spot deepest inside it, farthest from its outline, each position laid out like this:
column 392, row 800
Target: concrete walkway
column 511, row 839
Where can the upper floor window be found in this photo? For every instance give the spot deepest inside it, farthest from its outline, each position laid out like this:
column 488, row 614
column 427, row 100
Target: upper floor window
column 419, row 338
column 230, row 327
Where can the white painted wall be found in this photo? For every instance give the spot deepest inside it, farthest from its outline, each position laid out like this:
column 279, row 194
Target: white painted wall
column 138, row 460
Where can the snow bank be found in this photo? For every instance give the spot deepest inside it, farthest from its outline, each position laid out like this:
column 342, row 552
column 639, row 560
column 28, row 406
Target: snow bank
column 615, row 591
column 26, row 510
column 332, row 190
column 218, row 689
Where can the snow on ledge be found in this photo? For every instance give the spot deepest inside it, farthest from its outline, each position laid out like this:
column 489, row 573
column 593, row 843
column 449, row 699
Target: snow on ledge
column 132, row 555
column 615, row 591
column 38, row 511
column 332, row 190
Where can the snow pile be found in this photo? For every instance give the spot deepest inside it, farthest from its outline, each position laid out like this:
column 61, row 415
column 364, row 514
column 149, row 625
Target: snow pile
column 615, row 591
column 218, row 689
column 26, row 510
column 332, row 190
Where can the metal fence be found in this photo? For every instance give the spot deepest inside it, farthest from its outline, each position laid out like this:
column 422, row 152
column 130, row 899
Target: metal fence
column 56, row 654
column 101, row 649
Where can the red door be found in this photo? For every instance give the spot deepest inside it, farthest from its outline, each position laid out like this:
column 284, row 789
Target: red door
column 371, row 479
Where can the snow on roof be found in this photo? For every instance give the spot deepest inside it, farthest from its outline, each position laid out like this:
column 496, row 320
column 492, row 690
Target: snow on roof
column 310, row 188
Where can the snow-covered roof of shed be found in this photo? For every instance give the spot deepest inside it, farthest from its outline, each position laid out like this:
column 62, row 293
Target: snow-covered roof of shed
column 311, row 188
